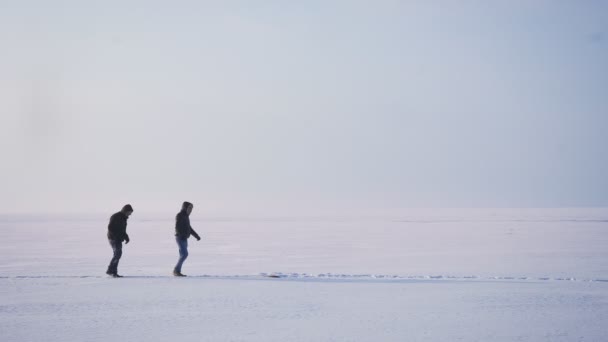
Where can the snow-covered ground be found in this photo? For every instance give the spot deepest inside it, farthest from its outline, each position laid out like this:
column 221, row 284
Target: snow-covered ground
column 411, row 275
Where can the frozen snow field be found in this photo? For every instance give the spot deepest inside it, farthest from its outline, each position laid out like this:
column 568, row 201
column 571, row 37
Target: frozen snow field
column 410, row 275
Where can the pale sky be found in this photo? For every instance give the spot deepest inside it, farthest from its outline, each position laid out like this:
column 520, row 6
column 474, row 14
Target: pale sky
column 274, row 105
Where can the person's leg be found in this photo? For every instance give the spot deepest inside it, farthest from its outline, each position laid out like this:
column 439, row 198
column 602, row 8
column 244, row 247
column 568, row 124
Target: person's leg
column 183, row 253
column 117, row 253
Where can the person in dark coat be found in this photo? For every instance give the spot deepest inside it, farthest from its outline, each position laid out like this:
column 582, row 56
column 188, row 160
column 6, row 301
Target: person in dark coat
column 183, row 230
column 117, row 233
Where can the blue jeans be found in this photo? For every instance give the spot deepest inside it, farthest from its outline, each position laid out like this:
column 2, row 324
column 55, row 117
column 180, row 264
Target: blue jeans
column 183, row 253
column 117, row 250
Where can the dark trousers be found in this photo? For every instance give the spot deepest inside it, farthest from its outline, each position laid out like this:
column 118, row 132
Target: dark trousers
column 117, row 249
column 183, row 253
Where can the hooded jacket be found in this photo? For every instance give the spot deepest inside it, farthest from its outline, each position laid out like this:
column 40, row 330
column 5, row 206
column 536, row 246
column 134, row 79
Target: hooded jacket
column 117, row 228
column 183, row 230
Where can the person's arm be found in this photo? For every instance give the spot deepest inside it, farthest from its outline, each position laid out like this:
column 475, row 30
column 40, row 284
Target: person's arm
column 195, row 234
column 122, row 228
column 127, row 238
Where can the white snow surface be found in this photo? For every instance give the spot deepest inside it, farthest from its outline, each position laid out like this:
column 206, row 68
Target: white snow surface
column 403, row 275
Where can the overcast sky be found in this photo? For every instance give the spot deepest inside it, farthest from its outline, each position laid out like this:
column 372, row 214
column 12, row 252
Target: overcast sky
column 272, row 105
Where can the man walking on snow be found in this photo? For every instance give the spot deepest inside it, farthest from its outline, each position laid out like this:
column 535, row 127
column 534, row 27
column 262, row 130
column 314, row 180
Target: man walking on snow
column 117, row 233
column 183, row 230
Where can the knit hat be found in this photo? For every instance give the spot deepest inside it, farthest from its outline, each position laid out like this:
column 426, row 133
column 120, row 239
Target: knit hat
column 127, row 207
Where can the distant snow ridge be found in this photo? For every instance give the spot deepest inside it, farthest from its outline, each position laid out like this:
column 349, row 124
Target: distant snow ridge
column 417, row 277
column 332, row 277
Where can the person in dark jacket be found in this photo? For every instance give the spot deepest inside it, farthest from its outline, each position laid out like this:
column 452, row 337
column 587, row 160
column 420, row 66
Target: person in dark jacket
column 183, row 230
column 117, row 233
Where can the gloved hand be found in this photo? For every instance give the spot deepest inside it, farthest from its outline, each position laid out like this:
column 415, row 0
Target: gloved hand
column 127, row 240
column 198, row 239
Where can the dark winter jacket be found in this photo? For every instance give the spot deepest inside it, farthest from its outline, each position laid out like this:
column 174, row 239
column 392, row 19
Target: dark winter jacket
column 183, row 230
column 117, row 228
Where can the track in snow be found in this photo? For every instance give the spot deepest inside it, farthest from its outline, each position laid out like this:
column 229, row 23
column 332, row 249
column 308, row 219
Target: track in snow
column 325, row 277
